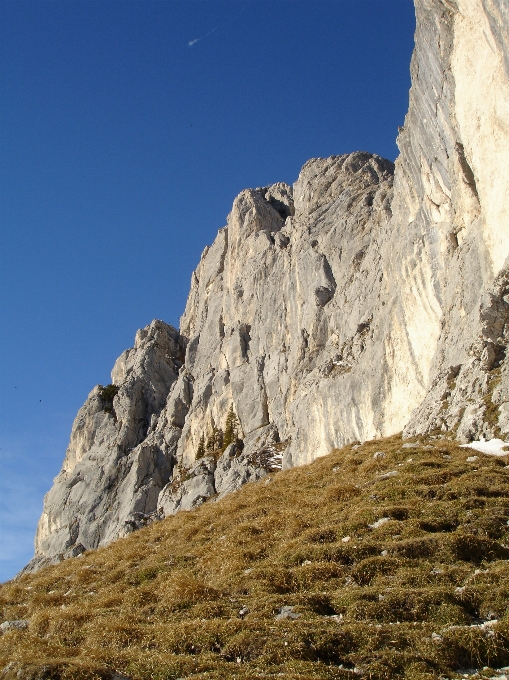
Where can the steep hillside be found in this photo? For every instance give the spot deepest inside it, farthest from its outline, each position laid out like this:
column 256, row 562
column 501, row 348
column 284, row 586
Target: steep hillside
column 385, row 560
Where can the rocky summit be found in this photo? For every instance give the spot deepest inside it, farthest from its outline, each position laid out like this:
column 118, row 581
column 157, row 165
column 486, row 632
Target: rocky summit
column 365, row 300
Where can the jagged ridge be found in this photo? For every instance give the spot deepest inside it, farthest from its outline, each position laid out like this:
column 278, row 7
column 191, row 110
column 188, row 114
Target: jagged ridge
column 353, row 305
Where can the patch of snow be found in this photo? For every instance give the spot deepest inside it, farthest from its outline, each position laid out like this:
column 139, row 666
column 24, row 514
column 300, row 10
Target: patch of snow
column 379, row 523
column 493, row 447
column 286, row 613
column 386, row 475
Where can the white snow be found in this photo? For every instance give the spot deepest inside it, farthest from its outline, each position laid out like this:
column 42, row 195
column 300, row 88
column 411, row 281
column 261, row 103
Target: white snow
column 379, row 523
column 493, row 447
column 386, row 475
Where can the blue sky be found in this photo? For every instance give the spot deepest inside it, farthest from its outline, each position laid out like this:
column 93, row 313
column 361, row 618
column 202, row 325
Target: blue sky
column 122, row 148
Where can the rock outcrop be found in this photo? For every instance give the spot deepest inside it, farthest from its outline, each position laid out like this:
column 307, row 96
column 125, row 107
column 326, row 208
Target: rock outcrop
column 450, row 203
column 362, row 301
column 115, row 464
column 284, row 311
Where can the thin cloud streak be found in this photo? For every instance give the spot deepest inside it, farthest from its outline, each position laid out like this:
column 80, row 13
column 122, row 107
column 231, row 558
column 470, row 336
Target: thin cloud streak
column 227, row 23
column 193, row 42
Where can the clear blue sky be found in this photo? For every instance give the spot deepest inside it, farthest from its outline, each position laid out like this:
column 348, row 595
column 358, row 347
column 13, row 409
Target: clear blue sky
column 122, row 148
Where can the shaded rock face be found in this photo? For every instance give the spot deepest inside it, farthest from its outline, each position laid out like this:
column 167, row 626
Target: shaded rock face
column 364, row 300
column 242, row 461
column 116, row 463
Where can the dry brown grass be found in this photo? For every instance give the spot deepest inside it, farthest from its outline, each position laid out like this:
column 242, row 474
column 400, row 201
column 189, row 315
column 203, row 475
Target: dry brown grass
column 403, row 600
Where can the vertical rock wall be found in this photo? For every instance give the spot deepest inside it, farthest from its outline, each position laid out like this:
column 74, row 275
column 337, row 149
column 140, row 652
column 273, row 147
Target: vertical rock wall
column 451, row 192
column 361, row 301
column 282, row 309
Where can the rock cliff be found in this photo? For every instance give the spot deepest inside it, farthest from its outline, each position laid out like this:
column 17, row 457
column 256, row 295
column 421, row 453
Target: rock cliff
column 365, row 300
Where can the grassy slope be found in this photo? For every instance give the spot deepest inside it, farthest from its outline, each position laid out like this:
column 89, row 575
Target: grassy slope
column 400, row 600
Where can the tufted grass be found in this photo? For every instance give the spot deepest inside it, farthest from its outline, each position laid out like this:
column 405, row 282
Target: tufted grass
column 404, row 598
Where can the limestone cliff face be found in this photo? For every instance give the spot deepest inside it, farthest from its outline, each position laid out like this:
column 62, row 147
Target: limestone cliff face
column 115, row 464
column 284, row 308
column 362, row 301
column 452, row 215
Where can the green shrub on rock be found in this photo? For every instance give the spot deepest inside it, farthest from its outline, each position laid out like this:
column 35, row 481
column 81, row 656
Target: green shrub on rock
column 107, row 395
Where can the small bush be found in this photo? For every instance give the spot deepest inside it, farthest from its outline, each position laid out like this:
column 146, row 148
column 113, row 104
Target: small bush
column 144, row 575
column 417, row 548
column 365, row 571
column 474, row 549
column 322, row 536
column 246, row 645
column 107, row 394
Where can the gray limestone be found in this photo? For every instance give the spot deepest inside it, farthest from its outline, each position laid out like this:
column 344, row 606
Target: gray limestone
column 242, row 461
column 116, row 464
column 6, row 626
column 364, row 300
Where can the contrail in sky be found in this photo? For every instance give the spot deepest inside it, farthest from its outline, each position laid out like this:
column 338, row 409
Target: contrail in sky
column 193, row 42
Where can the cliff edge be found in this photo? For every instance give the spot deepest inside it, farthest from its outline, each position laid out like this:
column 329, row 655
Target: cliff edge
column 365, row 300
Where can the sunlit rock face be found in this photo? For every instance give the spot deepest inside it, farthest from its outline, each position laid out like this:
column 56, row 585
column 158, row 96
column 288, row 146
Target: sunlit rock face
column 284, row 307
column 452, row 216
column 362, row 301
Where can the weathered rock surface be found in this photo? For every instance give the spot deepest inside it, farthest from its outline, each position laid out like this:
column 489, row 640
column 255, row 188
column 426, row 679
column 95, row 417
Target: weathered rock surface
column 281, row 311
column 364, row 300
column 116, row 463
column 6, row 626
column 451, row 194
column 241, row 462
